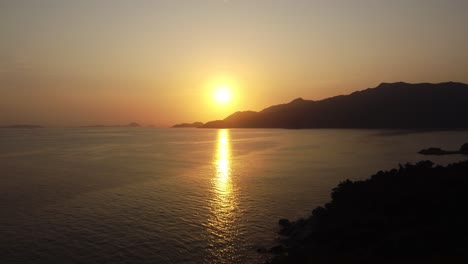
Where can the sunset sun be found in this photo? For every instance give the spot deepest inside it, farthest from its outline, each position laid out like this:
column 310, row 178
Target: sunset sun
column 222, row 94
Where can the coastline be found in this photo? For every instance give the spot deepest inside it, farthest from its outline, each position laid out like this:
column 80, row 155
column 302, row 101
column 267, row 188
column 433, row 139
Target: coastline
column 410, row 214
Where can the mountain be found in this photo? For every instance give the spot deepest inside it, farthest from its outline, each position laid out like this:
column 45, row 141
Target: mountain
column 185, row 125
column 389, row 105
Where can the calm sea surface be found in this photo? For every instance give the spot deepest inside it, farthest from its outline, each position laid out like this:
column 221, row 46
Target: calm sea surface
column 147, row 195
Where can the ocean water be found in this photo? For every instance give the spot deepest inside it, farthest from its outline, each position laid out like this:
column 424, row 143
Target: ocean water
column 143, row 195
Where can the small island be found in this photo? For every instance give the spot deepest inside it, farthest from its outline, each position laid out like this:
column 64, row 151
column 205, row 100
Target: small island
column 132, row 124
column 414, row 214
column 22, row 126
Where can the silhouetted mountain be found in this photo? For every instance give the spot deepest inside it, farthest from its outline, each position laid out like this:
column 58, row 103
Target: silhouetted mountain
column 21, row 126
column 389, row 105
column 185, row 125
column 414, row 214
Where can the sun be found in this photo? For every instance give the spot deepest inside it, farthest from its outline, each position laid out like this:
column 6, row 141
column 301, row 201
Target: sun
column 222, row 94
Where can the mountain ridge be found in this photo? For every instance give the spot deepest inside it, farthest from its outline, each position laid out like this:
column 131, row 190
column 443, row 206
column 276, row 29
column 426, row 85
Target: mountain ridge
column 396, row 105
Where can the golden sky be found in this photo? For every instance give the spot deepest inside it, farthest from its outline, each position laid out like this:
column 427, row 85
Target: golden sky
column 156, row 62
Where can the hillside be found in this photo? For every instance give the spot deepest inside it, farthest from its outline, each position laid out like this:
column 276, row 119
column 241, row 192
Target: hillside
column 414, row 214
column 389, row 105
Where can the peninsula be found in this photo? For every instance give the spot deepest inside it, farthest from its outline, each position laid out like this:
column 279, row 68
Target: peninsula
column 397, row 105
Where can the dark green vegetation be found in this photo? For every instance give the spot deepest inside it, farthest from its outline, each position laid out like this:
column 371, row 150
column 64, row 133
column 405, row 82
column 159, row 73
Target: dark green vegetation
column 389, row 105
column 414, row 214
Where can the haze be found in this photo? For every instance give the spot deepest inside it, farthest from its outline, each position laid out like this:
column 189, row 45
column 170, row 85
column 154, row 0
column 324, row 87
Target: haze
column 66, row 63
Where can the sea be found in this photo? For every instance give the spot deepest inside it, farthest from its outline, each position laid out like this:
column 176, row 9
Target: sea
column 147, row 195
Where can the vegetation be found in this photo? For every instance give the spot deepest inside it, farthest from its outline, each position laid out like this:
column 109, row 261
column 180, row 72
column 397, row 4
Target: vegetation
column 414, row 214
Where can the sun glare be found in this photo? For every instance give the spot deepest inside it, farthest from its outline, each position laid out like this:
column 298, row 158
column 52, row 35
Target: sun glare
column 222, row 94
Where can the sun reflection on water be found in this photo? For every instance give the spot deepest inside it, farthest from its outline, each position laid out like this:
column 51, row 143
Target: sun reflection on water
column 223, row 205
column 223, row 153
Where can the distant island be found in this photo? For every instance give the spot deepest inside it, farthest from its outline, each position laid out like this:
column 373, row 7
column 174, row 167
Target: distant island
column 22, row 126
column 132, row 124
column 389, row 105
column 186, row 125
column 414, row 214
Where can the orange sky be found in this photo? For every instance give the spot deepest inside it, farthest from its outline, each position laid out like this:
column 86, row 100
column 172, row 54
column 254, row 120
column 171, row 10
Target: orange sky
column 66, row 63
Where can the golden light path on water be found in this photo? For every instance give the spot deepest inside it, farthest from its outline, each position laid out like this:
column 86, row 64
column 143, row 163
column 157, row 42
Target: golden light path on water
column 223, row 163
column 224, row 213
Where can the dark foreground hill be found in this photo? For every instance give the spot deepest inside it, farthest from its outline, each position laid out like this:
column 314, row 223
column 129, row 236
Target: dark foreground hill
column 389, row 105
column 414, row 214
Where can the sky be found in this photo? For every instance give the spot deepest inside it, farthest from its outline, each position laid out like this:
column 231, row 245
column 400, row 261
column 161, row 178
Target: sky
column 69, row 63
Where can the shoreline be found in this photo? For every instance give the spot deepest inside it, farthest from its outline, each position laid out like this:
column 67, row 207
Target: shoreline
column 413, row 213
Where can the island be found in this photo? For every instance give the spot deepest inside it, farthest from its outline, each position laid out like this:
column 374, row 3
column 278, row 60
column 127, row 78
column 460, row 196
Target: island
column 413, row 214
column 22, row 126
column 132, row 124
